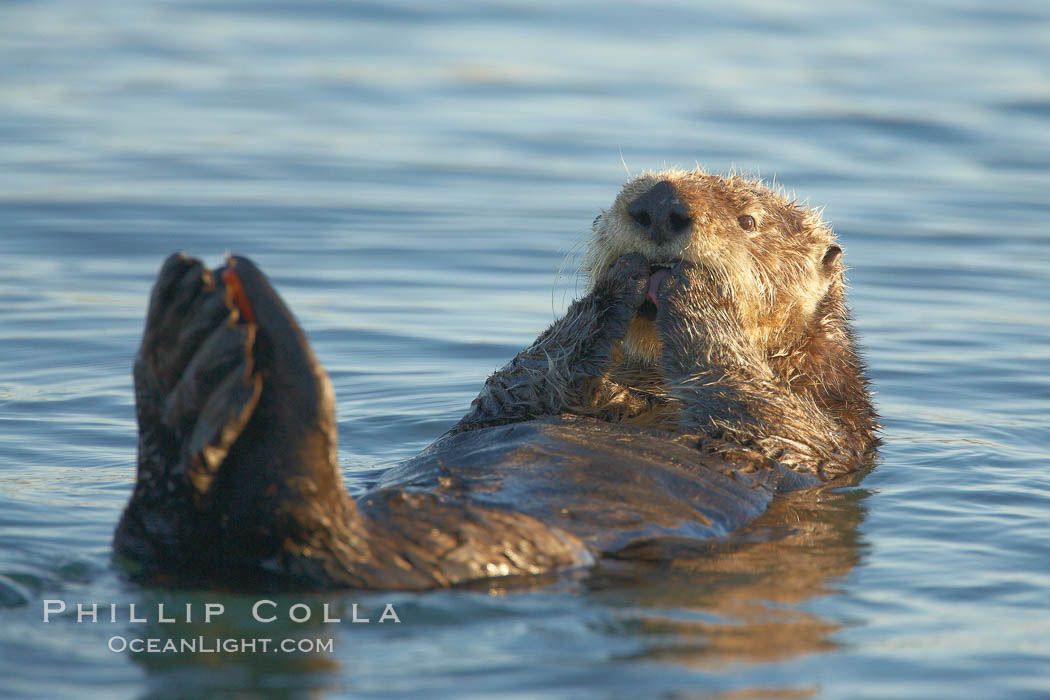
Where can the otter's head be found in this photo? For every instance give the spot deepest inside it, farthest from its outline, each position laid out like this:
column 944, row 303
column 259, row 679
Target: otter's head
column 778, row 259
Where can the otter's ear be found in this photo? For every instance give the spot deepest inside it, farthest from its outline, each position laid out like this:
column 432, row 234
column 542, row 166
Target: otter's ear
column 831, row 256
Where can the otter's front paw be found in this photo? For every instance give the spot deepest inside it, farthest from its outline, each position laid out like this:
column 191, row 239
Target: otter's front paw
column 700, row 324
column 622, row 290
column 687, row 303
column 628, row 279
column 598, row 322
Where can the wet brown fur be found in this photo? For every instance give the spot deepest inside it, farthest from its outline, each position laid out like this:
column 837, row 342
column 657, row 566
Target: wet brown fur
column 608, row 431
column 778, row 338
column 786, row 281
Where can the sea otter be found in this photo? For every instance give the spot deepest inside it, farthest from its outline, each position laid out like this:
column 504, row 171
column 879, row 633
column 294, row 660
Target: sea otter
column 710, row 365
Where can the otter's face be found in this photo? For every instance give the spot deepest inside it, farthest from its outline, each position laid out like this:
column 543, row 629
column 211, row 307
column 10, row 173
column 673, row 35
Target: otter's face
column 778, row 260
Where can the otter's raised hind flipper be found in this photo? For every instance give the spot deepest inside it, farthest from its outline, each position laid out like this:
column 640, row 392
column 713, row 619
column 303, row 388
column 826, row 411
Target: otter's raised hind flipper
column 212, row 365
column 238, row 480
column 194, row 391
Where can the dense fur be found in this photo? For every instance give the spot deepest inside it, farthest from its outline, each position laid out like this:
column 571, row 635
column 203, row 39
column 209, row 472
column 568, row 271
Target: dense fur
column 709, row 366
column 752, row 349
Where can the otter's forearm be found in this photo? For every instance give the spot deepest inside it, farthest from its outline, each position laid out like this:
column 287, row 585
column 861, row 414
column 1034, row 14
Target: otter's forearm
column 564, row 370
column 559, row 371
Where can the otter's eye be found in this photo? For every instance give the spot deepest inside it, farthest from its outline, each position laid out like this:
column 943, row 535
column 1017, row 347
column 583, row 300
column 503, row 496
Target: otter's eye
column 746, row 221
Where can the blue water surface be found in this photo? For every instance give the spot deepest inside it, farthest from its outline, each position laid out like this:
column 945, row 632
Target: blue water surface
column 418, row 179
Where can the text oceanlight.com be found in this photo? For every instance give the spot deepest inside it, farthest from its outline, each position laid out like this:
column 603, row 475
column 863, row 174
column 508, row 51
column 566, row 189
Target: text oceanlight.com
column 205, row 645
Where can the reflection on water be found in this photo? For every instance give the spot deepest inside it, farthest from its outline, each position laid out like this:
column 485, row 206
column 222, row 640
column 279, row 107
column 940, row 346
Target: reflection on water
column 413, row 176
column 740, row 601
column 737, row 602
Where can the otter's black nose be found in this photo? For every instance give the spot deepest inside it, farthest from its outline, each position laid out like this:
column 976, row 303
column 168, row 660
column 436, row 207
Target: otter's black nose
column 660, row 213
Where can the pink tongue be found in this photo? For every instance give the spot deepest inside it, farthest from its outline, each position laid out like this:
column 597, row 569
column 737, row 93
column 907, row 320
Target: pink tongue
column 654, row 286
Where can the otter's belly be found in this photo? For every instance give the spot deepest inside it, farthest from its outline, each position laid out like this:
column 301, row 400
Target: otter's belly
column 614, row 486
